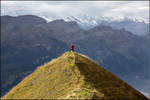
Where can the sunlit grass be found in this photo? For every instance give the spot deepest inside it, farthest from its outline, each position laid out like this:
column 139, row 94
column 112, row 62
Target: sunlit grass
column 73, row 76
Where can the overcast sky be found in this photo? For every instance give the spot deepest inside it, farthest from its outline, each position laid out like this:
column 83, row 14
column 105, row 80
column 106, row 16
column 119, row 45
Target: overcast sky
column 58, row 9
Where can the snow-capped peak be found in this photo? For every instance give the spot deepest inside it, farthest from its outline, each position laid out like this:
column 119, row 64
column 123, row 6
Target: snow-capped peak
column 135, row 25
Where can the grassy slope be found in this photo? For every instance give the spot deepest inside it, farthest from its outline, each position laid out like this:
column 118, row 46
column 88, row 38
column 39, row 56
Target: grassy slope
column 73, row 76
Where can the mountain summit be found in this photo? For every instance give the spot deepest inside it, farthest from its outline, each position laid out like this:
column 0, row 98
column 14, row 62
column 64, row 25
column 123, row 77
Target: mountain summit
column 73, row 76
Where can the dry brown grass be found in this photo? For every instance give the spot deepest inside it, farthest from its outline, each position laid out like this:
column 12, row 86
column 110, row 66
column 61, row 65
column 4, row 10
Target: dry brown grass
column 73, row 76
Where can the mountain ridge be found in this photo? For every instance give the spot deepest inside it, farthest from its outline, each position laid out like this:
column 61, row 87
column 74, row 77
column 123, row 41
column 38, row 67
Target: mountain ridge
column 136, row 26
column 73, row 76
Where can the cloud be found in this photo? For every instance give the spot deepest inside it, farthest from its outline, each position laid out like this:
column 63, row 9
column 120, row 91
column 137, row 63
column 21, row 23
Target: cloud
column 58, row 9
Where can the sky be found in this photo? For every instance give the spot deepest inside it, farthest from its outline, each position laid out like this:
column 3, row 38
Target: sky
column 59, row 9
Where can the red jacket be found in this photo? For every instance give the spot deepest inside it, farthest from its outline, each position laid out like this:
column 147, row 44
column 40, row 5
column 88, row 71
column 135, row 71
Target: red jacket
column 72, row 47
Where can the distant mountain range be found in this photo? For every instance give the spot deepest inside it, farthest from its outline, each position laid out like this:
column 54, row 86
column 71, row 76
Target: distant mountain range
column 28, row 41
column 135, row 26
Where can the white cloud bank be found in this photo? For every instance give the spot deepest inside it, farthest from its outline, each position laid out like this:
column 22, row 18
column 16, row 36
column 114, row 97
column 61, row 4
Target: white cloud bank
column 59, row 9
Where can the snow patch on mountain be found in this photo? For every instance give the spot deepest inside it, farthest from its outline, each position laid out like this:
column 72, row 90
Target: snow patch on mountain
column 134, row 25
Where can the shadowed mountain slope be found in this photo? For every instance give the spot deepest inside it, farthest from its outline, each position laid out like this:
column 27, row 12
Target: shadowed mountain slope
column 73, row 75
column 28, row 41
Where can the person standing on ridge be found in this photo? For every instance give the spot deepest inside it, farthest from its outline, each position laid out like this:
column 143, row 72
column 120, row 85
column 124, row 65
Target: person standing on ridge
column 72, row 47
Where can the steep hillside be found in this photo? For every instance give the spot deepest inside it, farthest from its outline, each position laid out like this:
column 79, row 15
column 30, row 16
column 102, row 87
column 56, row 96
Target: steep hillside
column 119, row 51
column 24, row 47
column 73, row 75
